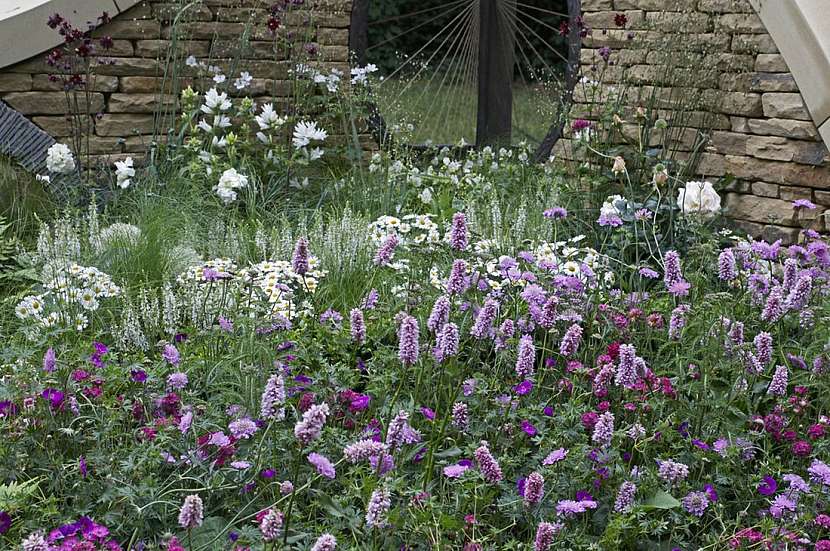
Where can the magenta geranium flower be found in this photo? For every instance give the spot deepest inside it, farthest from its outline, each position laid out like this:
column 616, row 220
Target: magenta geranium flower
column 768, row 486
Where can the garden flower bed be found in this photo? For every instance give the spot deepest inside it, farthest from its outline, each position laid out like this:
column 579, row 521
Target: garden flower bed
column 263, row 340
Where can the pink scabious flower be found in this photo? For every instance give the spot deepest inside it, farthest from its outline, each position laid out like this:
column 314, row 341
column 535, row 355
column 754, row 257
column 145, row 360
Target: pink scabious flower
column 570, row 342
column 408, row 340
column 487, row 464
column 358, row 326
column 225, row 324
column 171, row 355
column 672, row 272
column 778, row 385
column 456, row 283
column 727, row 266
column 270, row 524
column 177, row 381
column 273, row 399
column 484, row 321
column 299, row 260
column 456, row 470
column 191, row 513
column 625, row 497
column 311, row 426
column 545, row 534
column 696, row 503
column 363, row 450
column 604, row 430
column 569, row 507
column 322, row 464
column 440, row 314
column 555, row 457
column 774, row 307
column 387, row 248
column 242, row 429
column 526, row 358
column 286, row 486
column 326, row 542
column 803, row 204
column 460, row 416
column 819, row 473
column 378, row 508
column 458, row 232
column 534, row 489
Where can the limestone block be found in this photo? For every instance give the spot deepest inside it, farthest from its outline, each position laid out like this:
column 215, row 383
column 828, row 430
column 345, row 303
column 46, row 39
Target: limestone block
column 785, row 106
column 52, row 103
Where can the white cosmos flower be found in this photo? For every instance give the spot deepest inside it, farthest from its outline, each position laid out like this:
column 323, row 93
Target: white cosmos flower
column 306, row 132
column 699, row 198
column 59, row 159
column 219, row 79
column 191, row 61
column 124, row 172
column 243, row 81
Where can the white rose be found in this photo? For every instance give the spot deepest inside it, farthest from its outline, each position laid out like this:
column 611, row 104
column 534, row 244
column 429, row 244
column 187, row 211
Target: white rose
column 699, row 198
column 59, row 159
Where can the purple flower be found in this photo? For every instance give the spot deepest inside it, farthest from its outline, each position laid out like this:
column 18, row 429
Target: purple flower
column 387, row 248
column 408, row 340
column 458, row 232
column 310, row 426
column 803, row 204
column 487, row 464
column 378, row 507
column 528, row 428
column 526, row 358
column 456, row 284
column 768, row 486
column 555, row 456
column 648, row 273
column 177, row 381
column 138, row 375
column 6, row 522
column 428, row 413
column 570, row 342
column 171, row 355
column 440, row 314
column 625, row 497
column 242, row 428
column 672, row 273
column 534, row 489
column 484, row 321
column 358, row 326
column 364, row 449
column 191, row 512
column 49, row 360
column 322, row 464
column 727, row 266
column 524, row 387
column 555, row 213
column 778, row 385
column 711, row 492
column 54, row 396
column 545, row 534
column 82, row 466
column 696, row 503
column 455, row 471
column 299, row 260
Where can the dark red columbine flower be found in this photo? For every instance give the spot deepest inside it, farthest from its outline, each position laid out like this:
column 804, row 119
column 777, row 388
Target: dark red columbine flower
column 106, row 42
column 620, row 20
column 564, row 28
column 273, row 24
column 54, row 21
column 104, row 18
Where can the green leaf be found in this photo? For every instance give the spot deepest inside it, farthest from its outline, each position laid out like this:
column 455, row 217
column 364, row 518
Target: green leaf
column 661, row 500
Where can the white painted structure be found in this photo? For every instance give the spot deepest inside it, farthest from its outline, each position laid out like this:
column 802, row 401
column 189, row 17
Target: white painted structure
column 801, row 30
column 23, row 30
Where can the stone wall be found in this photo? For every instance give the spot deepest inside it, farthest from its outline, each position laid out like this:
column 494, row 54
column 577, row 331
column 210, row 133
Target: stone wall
column 127, row 88
column 762, row 135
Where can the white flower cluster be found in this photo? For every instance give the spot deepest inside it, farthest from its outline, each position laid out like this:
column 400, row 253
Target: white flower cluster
column 304, row 134
column 360, row 75
column 412, row 229
column 269, row 122
column 699, row 199
column 274, row 283
column 70, row 293
column 229, row 182
column 124, row 172
column 215, row 105
column 59, row 159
